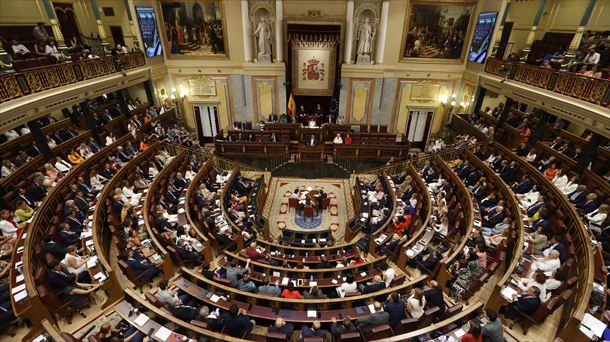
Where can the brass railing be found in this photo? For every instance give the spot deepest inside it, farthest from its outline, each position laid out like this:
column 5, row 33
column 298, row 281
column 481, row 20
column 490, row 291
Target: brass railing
column 592, row 90
column 19, row 84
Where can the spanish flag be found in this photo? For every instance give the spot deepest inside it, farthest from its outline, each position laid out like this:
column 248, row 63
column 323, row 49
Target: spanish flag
column 292, row 107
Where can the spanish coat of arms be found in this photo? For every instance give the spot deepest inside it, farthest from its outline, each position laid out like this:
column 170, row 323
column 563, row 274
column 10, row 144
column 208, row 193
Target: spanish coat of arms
column 313, row 70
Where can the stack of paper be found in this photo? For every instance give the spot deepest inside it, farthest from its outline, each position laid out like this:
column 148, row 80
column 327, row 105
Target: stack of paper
column 312, row 313
column 142, row 319
column 508, row 292
column 163, row 333
column 592, row 326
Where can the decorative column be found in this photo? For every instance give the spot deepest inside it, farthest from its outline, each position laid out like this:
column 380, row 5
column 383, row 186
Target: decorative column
column 150, row 95
column 100, row 27
column 584, row 21
column 245, row 22
column 132, row 27
column 530, row 37
column 279, row 30
column 383, row 29
column 349, row 32
column 59, row 37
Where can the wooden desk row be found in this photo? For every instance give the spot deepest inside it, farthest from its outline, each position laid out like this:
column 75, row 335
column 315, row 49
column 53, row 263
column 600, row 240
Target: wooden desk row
column 577, row 305
column 40, row 222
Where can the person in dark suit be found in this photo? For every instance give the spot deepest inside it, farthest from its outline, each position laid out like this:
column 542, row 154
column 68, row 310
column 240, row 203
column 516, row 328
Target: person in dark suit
column 236, row 322
column 508, row 174
column 36, row 191
column 494, row 217
column 376, row 284
column 144, row 270
column 85, row 188
column 22, row 196
column 523, row 186
column 106, row 172
column 57, row 276
column 533, row 209
column 184, row 312
column 315, row 331
column 186, row 254
column 543, row 223
column 555, row 244
column 67, row 236
column 122, row 155
column 346, row 326
column 579, row 197
column 376, row 318
column 50, row 246
column 81, row 202
column 280, row 326
column 434, row 297
column 180, row 182
column 395, row 309
column 528, row 304
column 94, row 145
column 428, row 262
column 589, row 205
column 75, row 224
column 522, row 151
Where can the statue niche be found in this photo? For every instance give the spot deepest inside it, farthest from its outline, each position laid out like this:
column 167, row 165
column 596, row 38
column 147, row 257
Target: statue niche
column 366, row 30
column 263, row 35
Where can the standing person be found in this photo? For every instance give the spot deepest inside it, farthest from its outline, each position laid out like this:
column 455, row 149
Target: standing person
column 492, row 330
column 40, row 32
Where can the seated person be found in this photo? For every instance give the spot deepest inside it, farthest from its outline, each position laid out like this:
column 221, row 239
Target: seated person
column 527, row 304
column 236, row 322
column 345, row 326
column 315, row 331
column 376, row 284
column 379, row 317
column 280, row 326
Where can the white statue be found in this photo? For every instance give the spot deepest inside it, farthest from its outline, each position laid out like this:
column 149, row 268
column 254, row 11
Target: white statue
column 366, row 33
column 263, row 38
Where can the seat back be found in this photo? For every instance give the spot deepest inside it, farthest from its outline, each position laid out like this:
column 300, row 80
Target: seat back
column 379, row 332
column 293, row 202
column 350, row 337
column 308, row 211
column 276, row 337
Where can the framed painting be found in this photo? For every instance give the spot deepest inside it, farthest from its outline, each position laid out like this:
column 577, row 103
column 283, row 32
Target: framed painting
column 313, row 68
column 437, row 31
column 194, row 29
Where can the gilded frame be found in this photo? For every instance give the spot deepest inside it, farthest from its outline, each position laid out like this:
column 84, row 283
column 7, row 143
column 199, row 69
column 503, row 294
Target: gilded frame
column 167, row 48
column 467, row 37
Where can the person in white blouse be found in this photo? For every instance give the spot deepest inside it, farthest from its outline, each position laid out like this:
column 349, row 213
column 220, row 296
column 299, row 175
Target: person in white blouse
column 129, row 194
column 7, row 226
column 51, row 142
column 96, row 181
column 539, row 280
column 548, row 264
column 85, row 151
column 350, row 285
column 439, row 183
column 560, row 180
column 152, row 171
column 7, row 168
column 189, row 174
column 338, row 139
column 597, row 217
column 413, row 201
column 416, row 303
column 570, row 186
column 11, row 134
column 492, row 157
column 442, row 228
column 529, row 197
column 75, row 263
column 388, row 275
column 62, row 165
column 25, row 130
column 531, row 156
column 110, row 139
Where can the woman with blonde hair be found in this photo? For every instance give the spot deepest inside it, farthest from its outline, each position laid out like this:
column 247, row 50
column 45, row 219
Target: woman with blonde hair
column 51, row 172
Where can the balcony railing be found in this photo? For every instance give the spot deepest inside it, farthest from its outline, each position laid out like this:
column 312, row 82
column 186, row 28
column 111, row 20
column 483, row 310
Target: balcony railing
column 593, row 90
column 15, row 85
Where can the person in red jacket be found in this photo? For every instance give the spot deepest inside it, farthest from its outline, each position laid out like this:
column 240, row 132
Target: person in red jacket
column 253, row 253
column 290, row 292
column 474, row 333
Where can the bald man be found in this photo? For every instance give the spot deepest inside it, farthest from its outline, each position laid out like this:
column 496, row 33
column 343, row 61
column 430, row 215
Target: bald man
column 280, row 326
column 376, row 318
column 434, row 296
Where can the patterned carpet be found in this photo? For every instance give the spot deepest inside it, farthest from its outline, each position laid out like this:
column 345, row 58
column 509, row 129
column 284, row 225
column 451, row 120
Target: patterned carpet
column 281, row 216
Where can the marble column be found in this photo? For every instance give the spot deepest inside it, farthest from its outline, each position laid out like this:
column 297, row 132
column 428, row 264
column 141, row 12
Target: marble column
column 530, row 37
column 245, row 22
column 383, row 29
column 349, row 32
column 279, row 31
column 584, row 21
column 132, row 27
